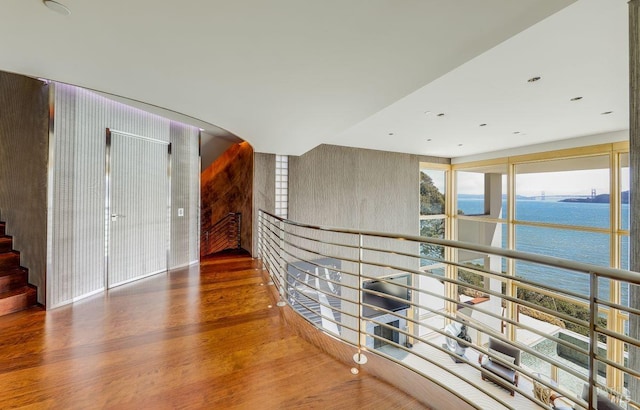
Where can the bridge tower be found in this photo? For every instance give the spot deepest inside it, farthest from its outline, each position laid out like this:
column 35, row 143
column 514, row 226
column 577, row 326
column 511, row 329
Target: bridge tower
column 593, row 193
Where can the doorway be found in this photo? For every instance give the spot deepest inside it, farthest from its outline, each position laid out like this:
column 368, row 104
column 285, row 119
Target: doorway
column 138, row 207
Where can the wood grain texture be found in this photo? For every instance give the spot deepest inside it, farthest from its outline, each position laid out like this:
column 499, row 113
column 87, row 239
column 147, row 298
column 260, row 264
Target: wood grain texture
column 226, row 186
column 413, row 384
column 190, row 339
column 24, row 149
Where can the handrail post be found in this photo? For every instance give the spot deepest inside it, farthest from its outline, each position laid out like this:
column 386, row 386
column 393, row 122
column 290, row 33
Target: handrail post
column 593, row 338
column 282, row 269
column 259, row 241
column 359, row 357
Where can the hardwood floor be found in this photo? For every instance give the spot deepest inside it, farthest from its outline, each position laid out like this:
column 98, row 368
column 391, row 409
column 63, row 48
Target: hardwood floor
column 195, row 338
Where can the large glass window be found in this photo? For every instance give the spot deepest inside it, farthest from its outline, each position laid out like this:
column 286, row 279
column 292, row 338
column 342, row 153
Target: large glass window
column 482, row 191
column 571, row 191
column 432, row 212
column 432, row 192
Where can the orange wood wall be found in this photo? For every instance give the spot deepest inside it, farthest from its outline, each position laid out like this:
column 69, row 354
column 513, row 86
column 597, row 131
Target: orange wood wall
column 227, row 186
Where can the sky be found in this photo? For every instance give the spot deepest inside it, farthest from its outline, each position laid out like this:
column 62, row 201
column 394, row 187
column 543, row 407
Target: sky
column 566, row 183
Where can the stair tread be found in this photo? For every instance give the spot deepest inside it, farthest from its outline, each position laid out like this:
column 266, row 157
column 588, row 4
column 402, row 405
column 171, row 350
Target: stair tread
column 18, row 291
column 14, row 271
column 8, row 255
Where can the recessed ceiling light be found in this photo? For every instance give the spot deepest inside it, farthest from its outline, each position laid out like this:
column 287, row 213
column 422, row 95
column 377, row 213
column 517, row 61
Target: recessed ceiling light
column 428, row 139
column 606, row 113
column 391, row 133
column 427, row 112
column 459, row 145
column 576, row 98
column 441, row 114
column 533, row 79
column 516, row 132
column 57, row 7
column 483, row 125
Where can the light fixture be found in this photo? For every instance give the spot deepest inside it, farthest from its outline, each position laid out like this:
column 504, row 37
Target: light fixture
column 606, row 113
column 391, row 133
column 459, row 145
column 576, row 98
column 441, row 114
column 57, row 7
column 516, row 132
column 428, row 139
column 427, row 112
column 533, row 79
column 483, row 125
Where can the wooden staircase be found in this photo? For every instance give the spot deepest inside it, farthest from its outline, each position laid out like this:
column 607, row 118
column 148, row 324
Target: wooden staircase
column 15, row 293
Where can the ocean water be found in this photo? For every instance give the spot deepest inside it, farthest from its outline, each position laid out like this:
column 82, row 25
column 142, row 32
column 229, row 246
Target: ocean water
column 580, row 246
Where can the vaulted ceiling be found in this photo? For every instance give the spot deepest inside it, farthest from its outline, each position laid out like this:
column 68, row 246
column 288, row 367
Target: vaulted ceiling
column 288, row 75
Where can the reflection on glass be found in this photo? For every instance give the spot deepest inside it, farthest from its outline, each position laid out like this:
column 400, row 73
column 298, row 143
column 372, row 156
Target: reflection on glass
column 431, row 228
column 432, row 192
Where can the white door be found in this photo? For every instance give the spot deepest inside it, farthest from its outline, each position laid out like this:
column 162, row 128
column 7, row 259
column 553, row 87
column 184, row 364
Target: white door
column 138, row 207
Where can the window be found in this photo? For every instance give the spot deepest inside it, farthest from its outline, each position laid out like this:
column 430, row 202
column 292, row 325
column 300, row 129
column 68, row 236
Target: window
column 282, row 186
column 432, row 212
column 573, row 191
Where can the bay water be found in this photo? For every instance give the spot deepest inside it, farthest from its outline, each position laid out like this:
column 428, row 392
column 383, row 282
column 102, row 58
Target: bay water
column 588, row 247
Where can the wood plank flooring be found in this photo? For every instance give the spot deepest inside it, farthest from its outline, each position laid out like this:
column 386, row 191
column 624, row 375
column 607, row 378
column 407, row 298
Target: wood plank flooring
column 204, row 337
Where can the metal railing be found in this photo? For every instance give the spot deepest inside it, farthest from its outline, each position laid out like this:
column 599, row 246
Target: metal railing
column 224, row 234
column 372, row 291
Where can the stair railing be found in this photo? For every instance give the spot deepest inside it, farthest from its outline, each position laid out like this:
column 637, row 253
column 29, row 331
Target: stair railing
column 224, row 234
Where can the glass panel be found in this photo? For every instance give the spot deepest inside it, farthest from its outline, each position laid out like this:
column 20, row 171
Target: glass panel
column 580, row 246
column 587, row 247
column 569, row 192
column 431, row 228
column 624, row 191
column 482, row 190
column 470, row 193
column 472, row 278
column 481, row 233
column 432, row 191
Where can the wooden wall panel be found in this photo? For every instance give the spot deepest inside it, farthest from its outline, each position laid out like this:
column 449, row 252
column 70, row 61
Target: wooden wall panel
column 24, row 150
column 226, row 186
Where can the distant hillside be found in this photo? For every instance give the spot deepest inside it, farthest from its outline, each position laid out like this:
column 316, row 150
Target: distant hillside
column 598, row 199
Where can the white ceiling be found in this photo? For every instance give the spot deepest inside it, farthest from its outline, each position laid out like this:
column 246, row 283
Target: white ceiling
column 288, row 75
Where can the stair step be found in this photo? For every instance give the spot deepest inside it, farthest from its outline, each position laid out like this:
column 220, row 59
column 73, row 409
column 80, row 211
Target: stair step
column 9, row 260
column 13, row 278
column 2, row 229
column 17, row 299
column 6, row 244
